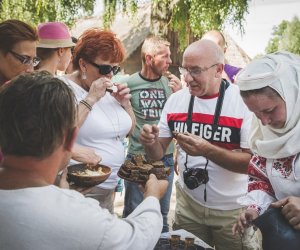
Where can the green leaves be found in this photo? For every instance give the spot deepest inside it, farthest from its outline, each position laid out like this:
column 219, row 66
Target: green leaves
column 188, row 18
column 38, row 11
column 286, row 36
column 111, row 7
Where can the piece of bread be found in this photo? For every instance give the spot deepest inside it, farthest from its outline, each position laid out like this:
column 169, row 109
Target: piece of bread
column 138, row 169
column 112, row 89
column 139, row 160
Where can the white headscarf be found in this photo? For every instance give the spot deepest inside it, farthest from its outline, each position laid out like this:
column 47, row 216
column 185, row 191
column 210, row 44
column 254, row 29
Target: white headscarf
column 280, row 71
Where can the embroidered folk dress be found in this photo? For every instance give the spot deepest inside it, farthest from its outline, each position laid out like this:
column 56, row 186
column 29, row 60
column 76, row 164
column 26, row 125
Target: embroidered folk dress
column 274, row 169
column 271, row 180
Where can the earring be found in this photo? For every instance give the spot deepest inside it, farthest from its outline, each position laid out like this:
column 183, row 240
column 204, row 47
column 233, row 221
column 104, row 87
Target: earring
column 83, row 76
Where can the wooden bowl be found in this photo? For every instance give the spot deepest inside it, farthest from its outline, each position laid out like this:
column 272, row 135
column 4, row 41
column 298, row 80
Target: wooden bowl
column 87, row 180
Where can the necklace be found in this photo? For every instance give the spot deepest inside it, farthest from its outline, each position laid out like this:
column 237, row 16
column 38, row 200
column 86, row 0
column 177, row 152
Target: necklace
column 116, row 130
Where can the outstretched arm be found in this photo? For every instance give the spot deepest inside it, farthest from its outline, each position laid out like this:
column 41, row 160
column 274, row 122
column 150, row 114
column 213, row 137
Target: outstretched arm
column 230, row 160
column 155, row 147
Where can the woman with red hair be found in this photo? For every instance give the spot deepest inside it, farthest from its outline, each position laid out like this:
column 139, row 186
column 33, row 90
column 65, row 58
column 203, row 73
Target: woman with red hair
column 105, row 115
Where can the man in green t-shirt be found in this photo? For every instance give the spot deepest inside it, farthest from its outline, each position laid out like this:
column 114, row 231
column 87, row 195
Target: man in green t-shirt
column 150, row 90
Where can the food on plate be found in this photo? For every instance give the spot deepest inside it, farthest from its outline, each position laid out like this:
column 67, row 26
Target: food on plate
column 139, row 169
column 87, row 176
column 89, row 172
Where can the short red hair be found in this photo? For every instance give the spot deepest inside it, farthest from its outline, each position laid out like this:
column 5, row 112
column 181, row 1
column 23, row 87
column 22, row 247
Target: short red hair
column 96, row 42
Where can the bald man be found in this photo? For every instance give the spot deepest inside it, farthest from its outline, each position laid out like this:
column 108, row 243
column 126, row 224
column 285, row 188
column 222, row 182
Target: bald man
column 212, row 155
column 217, row 37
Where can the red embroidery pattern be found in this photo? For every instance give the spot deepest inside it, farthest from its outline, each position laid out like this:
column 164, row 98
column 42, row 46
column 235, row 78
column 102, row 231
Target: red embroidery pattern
column 284, row 166
column 258, row 179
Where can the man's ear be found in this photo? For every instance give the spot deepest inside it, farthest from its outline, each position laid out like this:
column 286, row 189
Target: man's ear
column 148, row 59
column 70, row 138
column 220, row 68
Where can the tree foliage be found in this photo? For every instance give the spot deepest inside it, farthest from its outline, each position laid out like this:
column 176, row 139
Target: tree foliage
column 37, row 11
column 286, row 36
column 128, row 7
column 200, row 16
column 188, row 17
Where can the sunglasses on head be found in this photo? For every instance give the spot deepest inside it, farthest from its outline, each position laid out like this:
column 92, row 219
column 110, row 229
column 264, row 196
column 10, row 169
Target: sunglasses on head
column 105, row 69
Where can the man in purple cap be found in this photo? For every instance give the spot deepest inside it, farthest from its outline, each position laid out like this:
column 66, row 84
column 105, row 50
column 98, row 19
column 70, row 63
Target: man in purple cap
column 217, row 37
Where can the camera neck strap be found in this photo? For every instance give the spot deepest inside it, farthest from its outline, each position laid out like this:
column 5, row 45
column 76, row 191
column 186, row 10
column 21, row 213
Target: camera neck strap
column 223, row 86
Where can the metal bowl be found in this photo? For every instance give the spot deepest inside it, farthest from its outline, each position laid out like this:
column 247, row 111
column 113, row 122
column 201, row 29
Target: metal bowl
column 87, row 181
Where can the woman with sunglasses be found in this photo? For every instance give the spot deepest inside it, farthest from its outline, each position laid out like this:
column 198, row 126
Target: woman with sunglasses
column 105, row 116
column 18, row 42
column 17, row 50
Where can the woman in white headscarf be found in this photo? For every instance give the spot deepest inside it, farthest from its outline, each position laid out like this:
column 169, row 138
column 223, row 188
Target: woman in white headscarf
column 270, row 87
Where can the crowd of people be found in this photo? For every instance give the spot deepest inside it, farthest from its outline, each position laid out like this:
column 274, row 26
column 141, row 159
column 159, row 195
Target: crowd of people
column 230, row 133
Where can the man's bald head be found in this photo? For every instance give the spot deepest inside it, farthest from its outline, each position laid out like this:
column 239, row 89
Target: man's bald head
column 217, row 37
column 205, row 49
column 203, row 64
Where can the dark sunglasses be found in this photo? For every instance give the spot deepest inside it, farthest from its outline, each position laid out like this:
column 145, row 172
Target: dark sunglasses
column 26, row 60
column 105, row 69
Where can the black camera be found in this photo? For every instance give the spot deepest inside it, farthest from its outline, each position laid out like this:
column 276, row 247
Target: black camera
column 194, row 177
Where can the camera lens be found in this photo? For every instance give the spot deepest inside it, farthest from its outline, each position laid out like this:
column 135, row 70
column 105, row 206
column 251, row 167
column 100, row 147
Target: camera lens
column 192, row 182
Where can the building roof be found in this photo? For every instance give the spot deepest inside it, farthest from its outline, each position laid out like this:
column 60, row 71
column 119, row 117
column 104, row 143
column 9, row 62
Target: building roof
column 235, row 55
column 133, row 31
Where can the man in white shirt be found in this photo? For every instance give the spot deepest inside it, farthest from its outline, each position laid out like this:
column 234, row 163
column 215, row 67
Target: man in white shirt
column 213, row 157
column 37, row 132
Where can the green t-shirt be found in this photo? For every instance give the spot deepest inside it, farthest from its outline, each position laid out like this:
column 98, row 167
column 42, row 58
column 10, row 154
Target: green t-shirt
column 148, row 99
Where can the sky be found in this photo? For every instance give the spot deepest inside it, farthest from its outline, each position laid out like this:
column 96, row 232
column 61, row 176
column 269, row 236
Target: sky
column 262, row 17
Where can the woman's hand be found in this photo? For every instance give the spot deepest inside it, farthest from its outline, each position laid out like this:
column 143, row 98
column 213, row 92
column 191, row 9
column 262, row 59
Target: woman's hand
column 98, row 90
column 244, row 220
column 122, row 95
column 290, row 210
column 85, row 155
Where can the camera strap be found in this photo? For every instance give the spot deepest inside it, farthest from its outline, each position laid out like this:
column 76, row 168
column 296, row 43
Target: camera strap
column 223, row 86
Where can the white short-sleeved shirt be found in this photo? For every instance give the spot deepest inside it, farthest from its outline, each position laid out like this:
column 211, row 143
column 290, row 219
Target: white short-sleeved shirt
column 224, row 186
column 106, row 121
column 51, row 218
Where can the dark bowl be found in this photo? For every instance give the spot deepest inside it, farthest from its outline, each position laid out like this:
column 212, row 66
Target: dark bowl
column 87, row 181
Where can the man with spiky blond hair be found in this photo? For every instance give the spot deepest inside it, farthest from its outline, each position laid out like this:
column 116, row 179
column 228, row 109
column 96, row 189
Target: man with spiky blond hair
column 150, row 90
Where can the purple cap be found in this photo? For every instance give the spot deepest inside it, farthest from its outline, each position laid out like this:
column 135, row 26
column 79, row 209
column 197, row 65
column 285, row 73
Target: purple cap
column 231, row 71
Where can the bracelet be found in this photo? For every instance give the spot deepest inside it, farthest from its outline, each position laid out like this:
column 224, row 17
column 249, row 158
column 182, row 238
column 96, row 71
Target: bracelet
column 86, row 104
